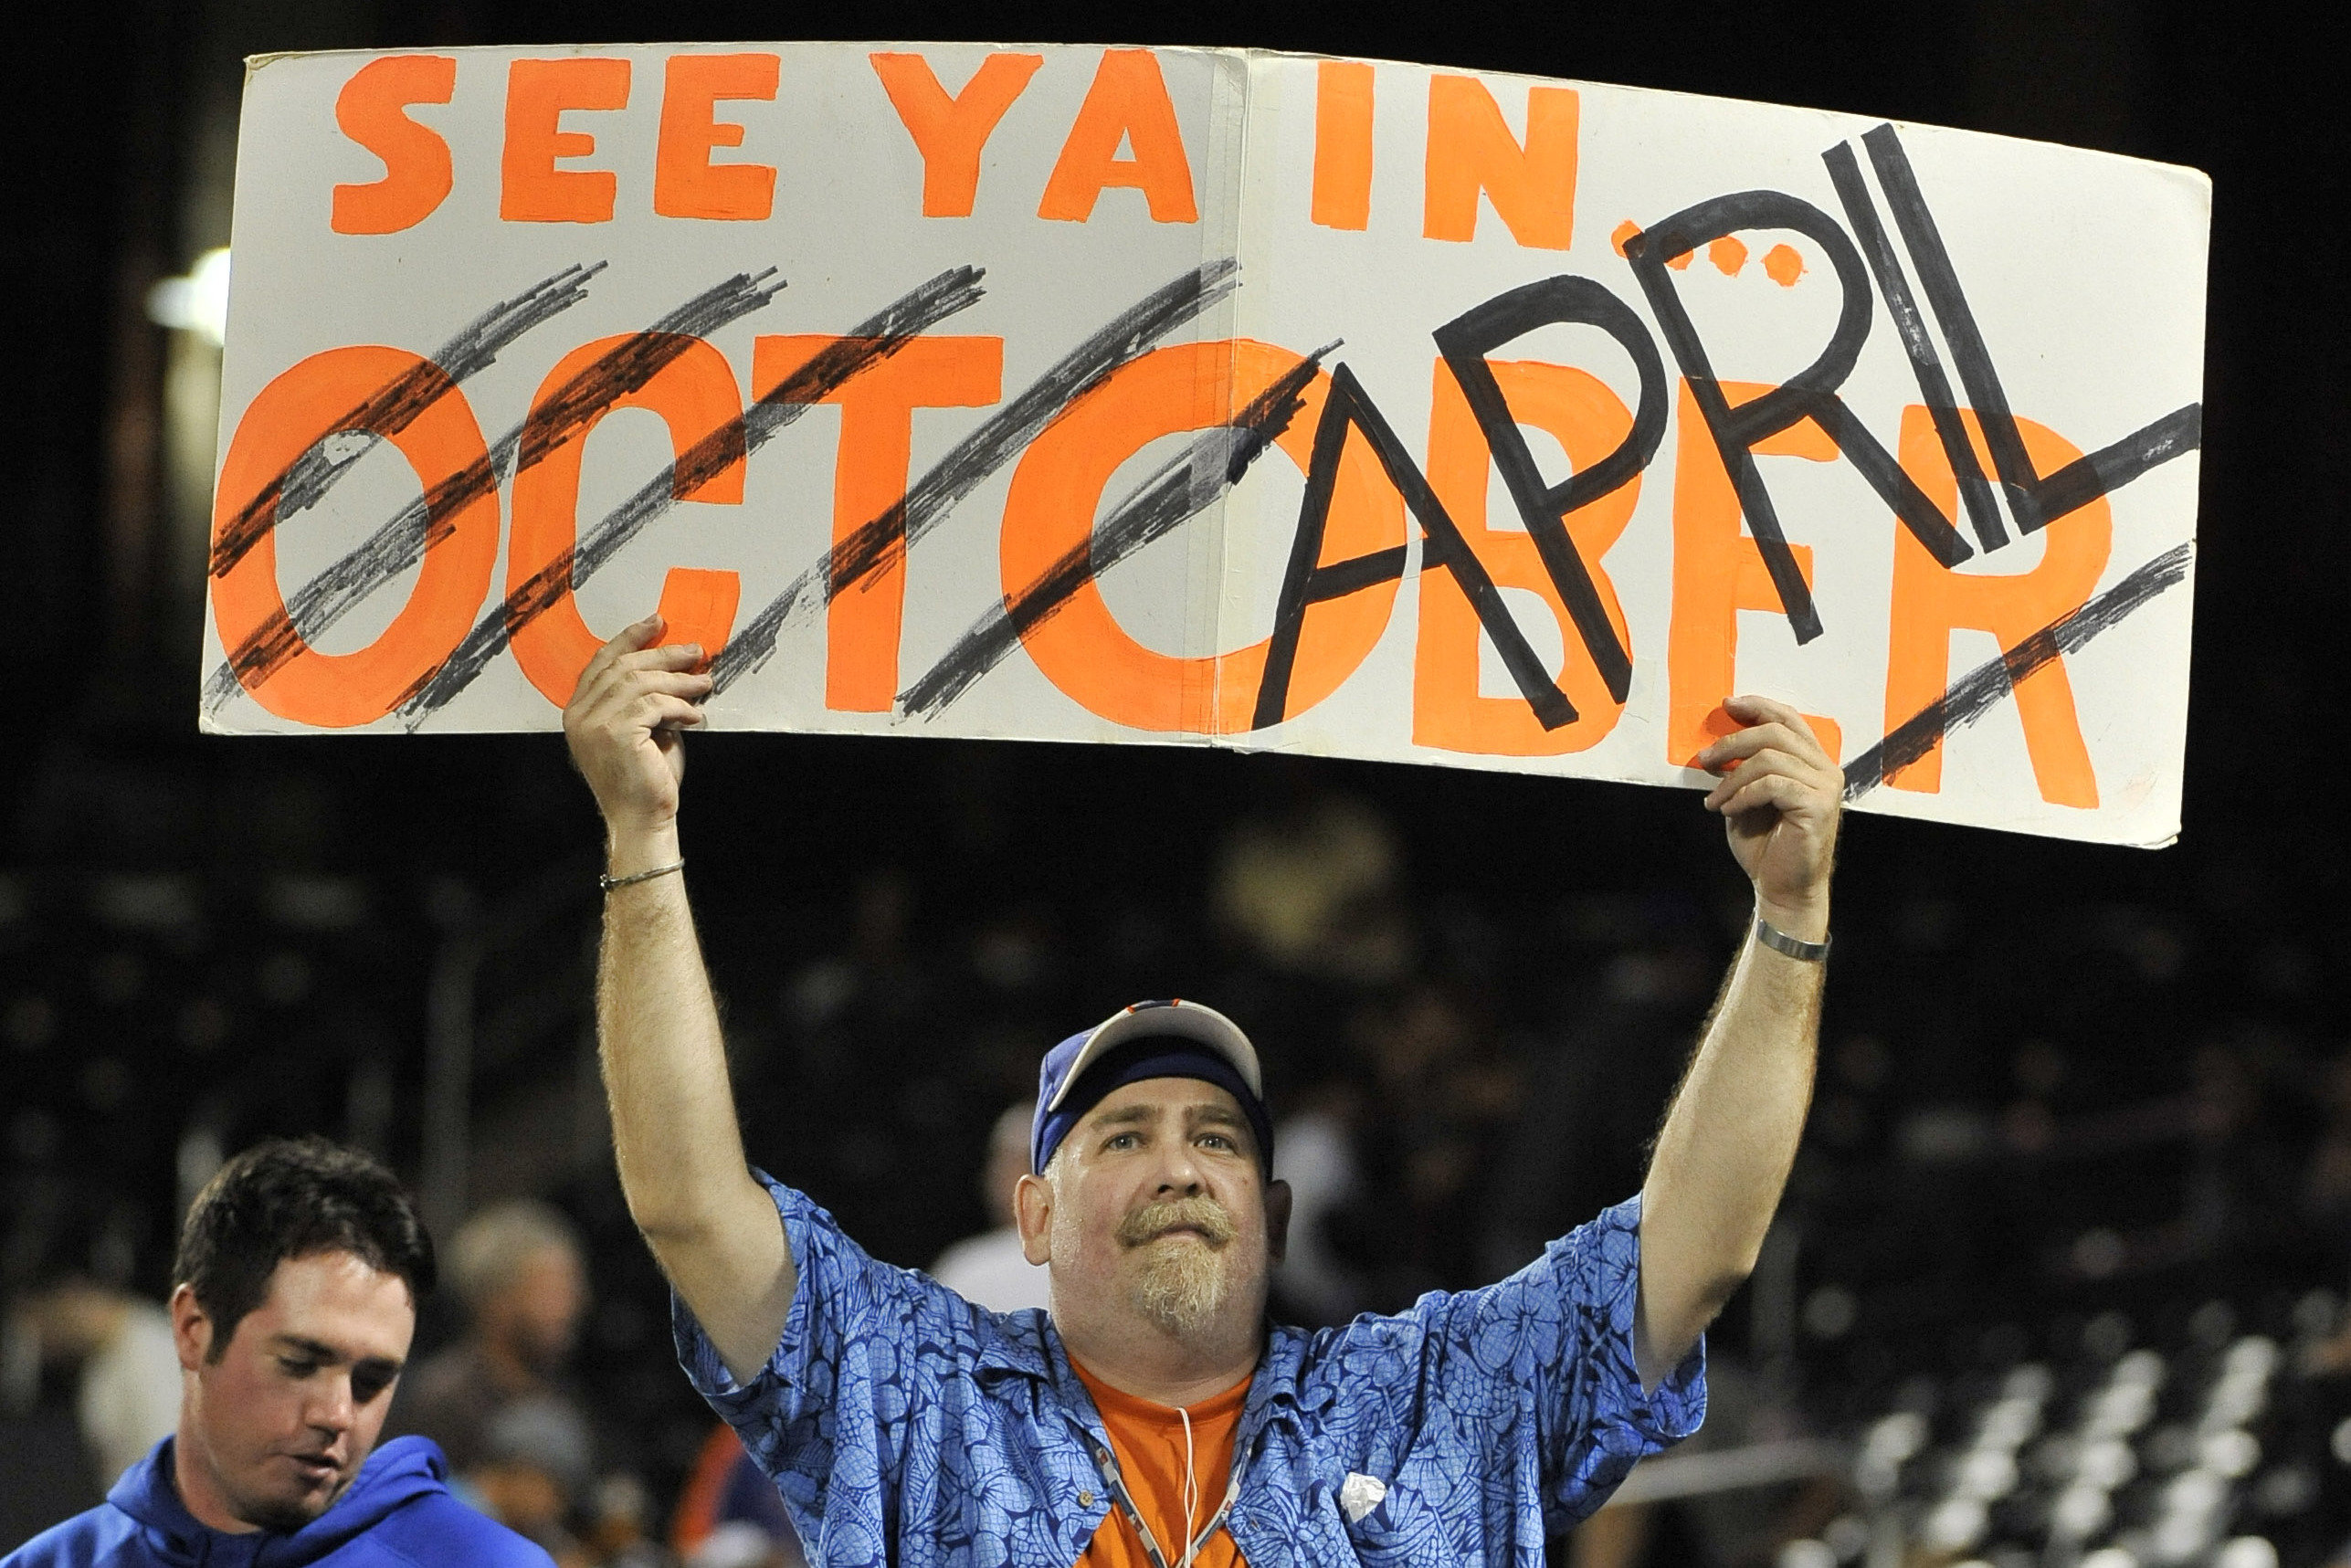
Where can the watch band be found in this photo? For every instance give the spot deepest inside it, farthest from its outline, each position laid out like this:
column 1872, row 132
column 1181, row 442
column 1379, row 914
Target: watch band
column 1779, row 941
column 607, row 882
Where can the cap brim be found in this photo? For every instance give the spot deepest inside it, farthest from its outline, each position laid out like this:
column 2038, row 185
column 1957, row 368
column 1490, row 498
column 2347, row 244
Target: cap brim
column 1191, row 1021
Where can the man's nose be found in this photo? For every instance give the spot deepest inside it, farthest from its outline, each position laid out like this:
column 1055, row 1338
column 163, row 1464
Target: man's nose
column 332, row 1408
column 1180, row 1172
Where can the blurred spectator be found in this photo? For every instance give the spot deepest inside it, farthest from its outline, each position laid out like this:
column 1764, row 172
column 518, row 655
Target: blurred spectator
column 517, row 1266
column 1311, row 889
column 622, row 1533
column 1441, row 1095
column 865, row 1014
column 1314, row 1150
column 729, row 1514
column 128, row 1392
column 989, row 1270
column 1579, row 1136
column 2326, row 1179
column 739, row 1543
column 1737, row 1525
column 2326, row 1202
column 878, row 973
column 533, row 1460
column 498, row 1402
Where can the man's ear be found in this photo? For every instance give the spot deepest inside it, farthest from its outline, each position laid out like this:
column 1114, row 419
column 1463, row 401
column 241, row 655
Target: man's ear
column 1277, row 1220
column 1032, row 1211
column 191, row 1330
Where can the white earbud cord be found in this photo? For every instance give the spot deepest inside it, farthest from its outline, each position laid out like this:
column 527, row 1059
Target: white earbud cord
column 1143, row 1528
column 1191, row 1491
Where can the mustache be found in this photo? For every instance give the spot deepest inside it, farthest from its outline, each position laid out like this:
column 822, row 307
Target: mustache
column 1153, row 1220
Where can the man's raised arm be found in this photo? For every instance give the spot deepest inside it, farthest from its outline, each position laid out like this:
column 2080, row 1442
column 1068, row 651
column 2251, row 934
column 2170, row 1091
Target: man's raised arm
column 713, row 1228
column 1726, row 1146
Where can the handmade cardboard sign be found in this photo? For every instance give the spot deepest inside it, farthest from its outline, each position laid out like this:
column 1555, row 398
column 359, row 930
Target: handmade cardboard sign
column 1212, row 397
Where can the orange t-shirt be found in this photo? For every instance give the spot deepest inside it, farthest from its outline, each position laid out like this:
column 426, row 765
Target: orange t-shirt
column 1148, row 1439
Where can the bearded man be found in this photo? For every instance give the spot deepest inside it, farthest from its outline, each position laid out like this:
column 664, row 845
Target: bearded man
column 1153, row 1416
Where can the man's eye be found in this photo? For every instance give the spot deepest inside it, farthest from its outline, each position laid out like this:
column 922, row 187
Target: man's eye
column 297, row 1368
column 1217, row 1140
column 366, row 1385
column 1119, row 1140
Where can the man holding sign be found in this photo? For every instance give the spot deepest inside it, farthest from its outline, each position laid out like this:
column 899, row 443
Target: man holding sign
column 1153, row 1417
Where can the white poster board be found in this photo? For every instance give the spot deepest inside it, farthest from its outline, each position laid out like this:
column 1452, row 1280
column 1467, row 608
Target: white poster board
column 1212, row 397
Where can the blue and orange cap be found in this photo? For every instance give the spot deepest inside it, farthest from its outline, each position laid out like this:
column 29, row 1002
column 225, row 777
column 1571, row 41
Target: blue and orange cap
column 1150, row 1039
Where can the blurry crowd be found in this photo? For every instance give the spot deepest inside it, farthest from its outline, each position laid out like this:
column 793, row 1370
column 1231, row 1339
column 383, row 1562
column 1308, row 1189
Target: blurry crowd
column 2015, row 1130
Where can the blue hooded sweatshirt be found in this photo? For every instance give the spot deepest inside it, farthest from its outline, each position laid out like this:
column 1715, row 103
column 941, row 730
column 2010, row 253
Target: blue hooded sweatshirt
column 397, row 1513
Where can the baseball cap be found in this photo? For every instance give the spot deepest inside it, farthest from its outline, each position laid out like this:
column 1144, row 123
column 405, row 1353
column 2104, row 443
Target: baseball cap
column 1174, row 1038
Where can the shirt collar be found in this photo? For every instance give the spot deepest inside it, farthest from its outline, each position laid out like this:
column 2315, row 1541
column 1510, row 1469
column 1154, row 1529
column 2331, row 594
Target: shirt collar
column 1274, row 1394
column 1030, row 1346
column 1019, row 1347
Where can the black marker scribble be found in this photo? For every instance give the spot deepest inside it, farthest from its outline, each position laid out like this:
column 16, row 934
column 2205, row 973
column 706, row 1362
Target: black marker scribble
column 474, row 348
column 1981, row 689
column 1925, row 365
column 401, row 543
column 1309, row 581
column 876, row 544
column 1811, row 392
column 2034, row 499
column 872, row 340
column 1467, row 342
column 1176, row 492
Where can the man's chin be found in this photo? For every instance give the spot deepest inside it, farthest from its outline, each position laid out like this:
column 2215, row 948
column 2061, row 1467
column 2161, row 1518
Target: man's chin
column 1183, row 1288
column 285, row 1517
column 291, row 1510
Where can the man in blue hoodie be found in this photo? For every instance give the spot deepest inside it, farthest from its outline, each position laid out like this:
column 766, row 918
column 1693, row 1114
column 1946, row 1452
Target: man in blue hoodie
column 293, row 1300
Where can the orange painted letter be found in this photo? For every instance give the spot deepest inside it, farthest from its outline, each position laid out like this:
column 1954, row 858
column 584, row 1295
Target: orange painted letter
column 1471, row 149
column 1342, row 145
column 686, row 183
column 878, row 409
column 1448, row 712
column 952, row 131
column 1930, row 601
column 322, row 394
column 371, row 111
column 695, row 395
column 531, row 188
column 1717, row 573
column 1050, row 514
column 1127, row 103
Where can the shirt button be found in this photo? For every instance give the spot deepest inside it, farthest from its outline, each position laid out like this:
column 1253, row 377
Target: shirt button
column 1085, row 1499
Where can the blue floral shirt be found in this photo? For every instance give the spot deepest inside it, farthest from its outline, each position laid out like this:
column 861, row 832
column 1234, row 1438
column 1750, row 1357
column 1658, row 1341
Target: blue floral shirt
column 906, row 1426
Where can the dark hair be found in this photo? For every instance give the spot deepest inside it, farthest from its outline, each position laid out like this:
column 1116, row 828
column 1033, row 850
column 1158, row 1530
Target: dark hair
column 294, row 1198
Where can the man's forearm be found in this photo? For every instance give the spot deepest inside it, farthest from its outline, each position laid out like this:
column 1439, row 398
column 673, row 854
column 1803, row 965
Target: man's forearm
column 674, row 1132
column 1724, row 1151
column 673, row 1120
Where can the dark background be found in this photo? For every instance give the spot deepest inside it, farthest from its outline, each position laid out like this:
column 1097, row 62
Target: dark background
column 206, row 940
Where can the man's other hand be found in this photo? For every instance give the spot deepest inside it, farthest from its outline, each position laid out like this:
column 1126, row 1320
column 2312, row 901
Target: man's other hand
column 1780, row 798
column 624, row 727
